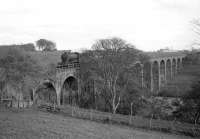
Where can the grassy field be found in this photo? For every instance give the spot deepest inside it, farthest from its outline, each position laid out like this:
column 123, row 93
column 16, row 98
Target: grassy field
column 33, row 124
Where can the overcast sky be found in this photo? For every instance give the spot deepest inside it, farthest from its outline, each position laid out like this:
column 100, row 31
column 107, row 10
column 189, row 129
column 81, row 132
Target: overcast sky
column 77, row 24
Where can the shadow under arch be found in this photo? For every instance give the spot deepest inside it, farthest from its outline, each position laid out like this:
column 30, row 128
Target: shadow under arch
column 138, row 69
column 147, row 75
column 162, row 73
column 45, row 93
column 168, row 70
column 173, row 67
column 178, row 65
column 69, row 91
column 155, row 72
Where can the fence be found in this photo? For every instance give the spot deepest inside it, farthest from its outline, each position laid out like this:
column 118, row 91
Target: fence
column 133, row 121
column 9, row 102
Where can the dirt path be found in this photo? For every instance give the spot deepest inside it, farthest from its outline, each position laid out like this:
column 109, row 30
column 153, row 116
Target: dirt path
column 32, row 124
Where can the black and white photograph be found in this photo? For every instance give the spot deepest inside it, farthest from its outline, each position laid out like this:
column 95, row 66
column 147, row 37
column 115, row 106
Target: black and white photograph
column 99, row 69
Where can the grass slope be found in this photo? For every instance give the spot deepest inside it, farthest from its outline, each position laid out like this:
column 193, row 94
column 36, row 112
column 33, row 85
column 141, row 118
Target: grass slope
column 32, row 124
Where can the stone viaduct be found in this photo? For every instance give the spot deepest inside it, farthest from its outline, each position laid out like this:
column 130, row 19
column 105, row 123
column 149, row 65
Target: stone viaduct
column 161, row 68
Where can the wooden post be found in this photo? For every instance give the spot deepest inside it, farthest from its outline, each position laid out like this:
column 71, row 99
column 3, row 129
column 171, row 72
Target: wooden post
column 171, row 68
column 165, row 71
column 142, row 74
column 159, row 80
column 151, row 72
column 130, row 120
column 90, row 114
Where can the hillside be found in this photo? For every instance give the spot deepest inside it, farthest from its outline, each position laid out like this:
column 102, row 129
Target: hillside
column 46, row 58
column 42, row 58
column 176, row 87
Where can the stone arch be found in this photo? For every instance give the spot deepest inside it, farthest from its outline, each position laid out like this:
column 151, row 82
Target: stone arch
column 155, row 73
column 69, row 91
column 168, row 69
column 173, row 67
column 162, row 73
column 45, row 93
column 64, row 72
column 183, row 61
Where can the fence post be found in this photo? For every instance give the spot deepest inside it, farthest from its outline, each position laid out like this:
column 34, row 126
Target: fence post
column 159, row 124
column 130, row 120
column 194, row 128
column 172, row 124
column 79, row 112
column 150, row 121
column 110, row 117
column 90, row 114
column 72, row 111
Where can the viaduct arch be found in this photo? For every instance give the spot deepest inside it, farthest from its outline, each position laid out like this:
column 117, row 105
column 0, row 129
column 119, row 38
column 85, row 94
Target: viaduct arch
column 40, row 92
column 67, row 80
column 163, row 68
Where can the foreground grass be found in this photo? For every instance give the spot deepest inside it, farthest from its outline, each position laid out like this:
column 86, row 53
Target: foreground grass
column 33, row 124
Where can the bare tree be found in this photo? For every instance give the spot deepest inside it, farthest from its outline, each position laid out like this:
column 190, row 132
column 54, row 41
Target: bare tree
column 18, row 66
column 114, row 58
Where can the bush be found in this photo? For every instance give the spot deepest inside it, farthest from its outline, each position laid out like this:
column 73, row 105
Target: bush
column 190, row 110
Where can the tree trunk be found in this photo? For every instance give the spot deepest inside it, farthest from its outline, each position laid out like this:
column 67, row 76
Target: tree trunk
column 33, row 94
column 196, row 119
column 115, row 106
column 131, row 108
